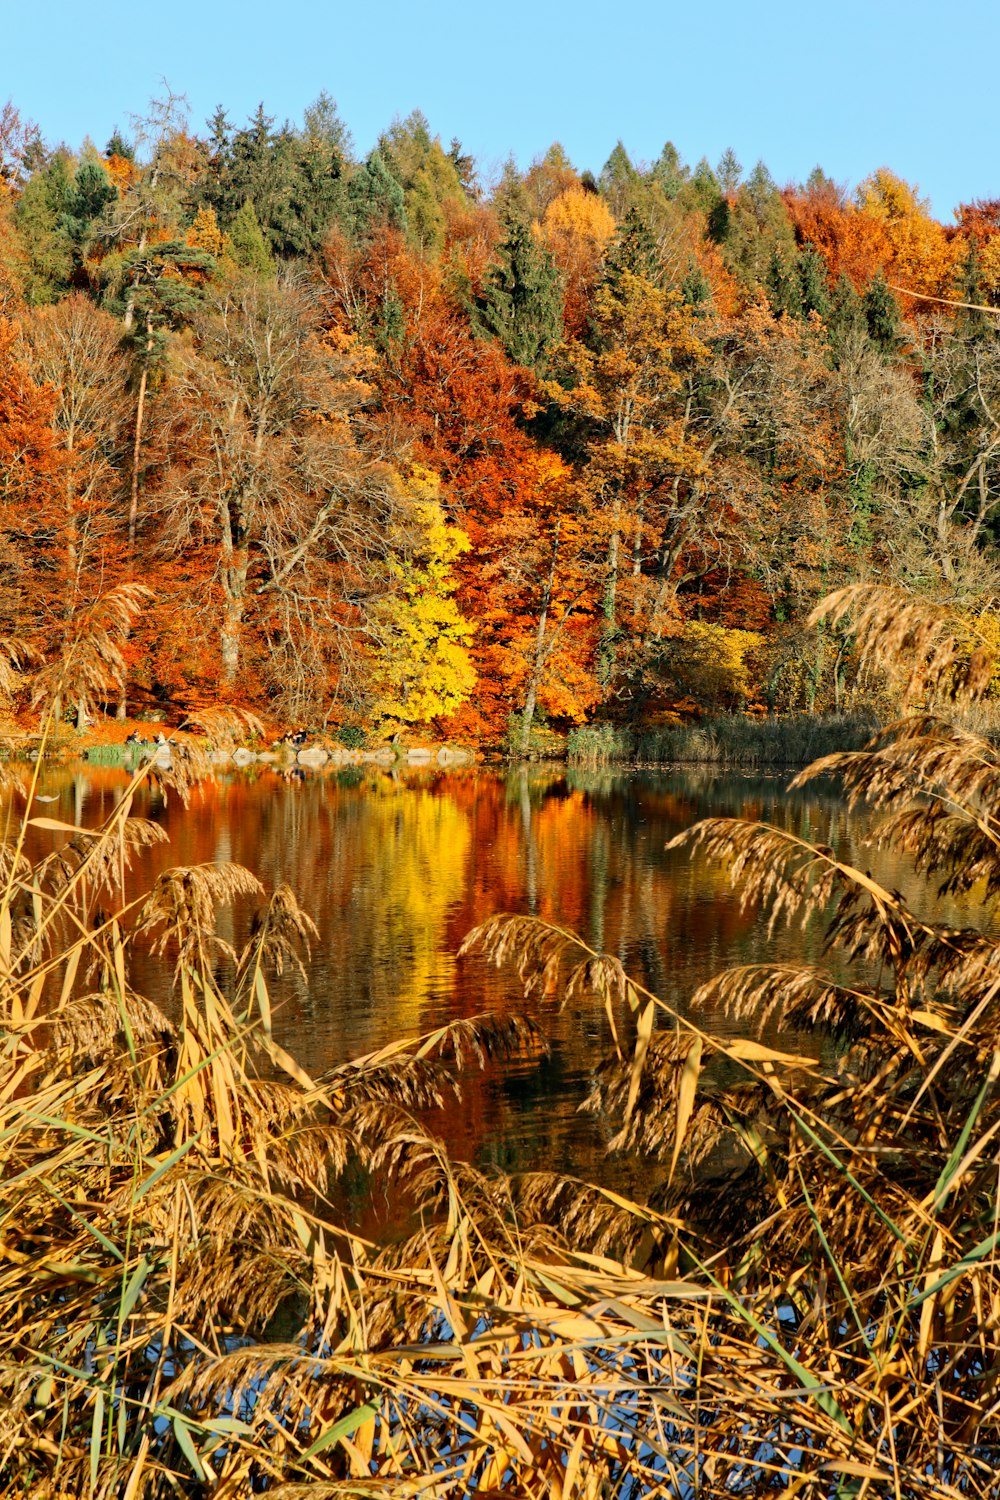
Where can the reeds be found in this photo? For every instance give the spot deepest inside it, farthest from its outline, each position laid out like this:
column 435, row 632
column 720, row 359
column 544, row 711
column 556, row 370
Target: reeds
column 807, row 1302
column 727, row 740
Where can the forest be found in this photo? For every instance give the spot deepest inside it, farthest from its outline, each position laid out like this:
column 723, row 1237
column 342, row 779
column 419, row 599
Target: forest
column 388, row 446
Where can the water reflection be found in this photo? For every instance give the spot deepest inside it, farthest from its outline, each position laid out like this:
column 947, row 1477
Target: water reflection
column 395, row 869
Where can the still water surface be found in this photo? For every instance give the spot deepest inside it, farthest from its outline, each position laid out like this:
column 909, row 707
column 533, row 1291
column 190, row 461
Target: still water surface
column 395, row 870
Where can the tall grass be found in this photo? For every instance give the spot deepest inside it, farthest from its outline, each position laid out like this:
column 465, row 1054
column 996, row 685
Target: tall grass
column 128, row 756
column 727, row 740
column 807, row 1303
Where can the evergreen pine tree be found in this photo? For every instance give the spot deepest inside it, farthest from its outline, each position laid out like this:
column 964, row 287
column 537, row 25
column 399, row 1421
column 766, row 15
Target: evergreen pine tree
column 813, row 293
column 510, row 196
column 728, row 173
column 633, row 249
column 86, row 200
column 669, row 172
column 249, row 248
column 39, row 216
column 164, row 284
column 756, row 226
column 696, row 292
column 319, row 165
column 882, row 315
column 719, row 221
column 702, row 192
column 521, row 303
column 618, row 182
column 465, row 167
column 846, row 321
column 782, row 292
column 119, row 146
column 972, row 321
column 375, row 197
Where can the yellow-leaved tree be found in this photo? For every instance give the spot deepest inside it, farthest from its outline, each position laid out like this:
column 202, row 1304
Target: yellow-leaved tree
column 922, row 257
column 422, row 668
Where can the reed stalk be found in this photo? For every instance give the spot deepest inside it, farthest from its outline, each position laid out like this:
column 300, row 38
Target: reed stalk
column 806, row 1303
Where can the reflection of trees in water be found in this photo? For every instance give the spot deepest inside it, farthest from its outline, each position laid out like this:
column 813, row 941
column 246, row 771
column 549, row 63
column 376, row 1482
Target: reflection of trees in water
column 396, row 870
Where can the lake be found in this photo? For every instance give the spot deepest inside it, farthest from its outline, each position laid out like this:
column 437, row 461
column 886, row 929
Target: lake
column 396, row 868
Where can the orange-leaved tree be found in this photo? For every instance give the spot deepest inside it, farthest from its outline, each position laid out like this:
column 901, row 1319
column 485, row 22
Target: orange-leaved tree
column 34, row 524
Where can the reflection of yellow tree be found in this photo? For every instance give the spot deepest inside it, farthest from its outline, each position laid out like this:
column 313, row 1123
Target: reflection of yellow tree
column 416, row 856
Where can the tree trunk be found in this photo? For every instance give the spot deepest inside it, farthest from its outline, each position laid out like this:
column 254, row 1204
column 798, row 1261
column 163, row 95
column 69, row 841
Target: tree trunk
column 229, row 637
column 606, row 648
column 140, row 409
column 121, row 712
column 528, row 713
column 236, row 566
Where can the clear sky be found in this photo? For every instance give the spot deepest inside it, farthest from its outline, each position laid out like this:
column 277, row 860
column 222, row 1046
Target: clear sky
column 850, row 86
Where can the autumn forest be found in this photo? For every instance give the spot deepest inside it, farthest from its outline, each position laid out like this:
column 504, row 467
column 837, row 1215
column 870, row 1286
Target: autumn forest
column 391, row 446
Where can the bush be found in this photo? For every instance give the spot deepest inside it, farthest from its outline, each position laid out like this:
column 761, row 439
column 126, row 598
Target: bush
column 350, row 736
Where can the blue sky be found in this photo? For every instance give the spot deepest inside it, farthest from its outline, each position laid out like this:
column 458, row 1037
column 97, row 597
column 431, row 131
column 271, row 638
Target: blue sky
column 849, row 86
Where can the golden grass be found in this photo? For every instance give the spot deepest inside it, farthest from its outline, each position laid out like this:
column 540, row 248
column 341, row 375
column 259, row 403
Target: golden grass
column 807, row 1302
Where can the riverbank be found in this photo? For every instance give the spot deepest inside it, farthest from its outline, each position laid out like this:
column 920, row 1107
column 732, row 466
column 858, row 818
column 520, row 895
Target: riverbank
column 733, row 740
column 730, row 740
column 128, row 743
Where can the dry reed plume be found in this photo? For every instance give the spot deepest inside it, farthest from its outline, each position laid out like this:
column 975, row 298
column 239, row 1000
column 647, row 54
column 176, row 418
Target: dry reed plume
column 807, row 1304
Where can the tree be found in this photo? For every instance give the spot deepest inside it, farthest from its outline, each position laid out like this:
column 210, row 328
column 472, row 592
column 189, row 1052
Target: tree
column 621, row 386
column 814, row 294
column 701, row 193
column 780, row 286
column 379, row 289
column 323, row 152
column 752, row 225
column 74, row 349
column 881, row 312
column 669, row 172
column 548, row 573
column 576, row 231
column 633, row 249
column 422, row 668
column 619, row 182
column 13, row 261
column 281, row 517
column 921, row 258
column 254, row 164
column 979, row 223
column 548, row 177
column 758, row 529
column 39, row 217
column 157, row 286
column 20, row 147
column 33, row 548
column 847, row 321
column 431, row 186
column 89, row 195
column 521, row 301
column 852, row 244
column 248, row 246
column 375, row 197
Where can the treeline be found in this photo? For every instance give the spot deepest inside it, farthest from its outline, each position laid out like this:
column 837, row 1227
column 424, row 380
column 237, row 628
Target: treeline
column 391, row 447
